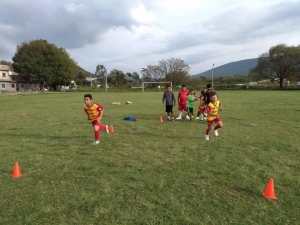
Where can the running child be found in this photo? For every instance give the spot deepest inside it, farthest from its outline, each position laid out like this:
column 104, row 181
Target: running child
column 94, row 112
column 212, row 115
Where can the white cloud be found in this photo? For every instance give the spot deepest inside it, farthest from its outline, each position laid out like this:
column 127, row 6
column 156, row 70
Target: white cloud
column 142, row 15
column 73, row 8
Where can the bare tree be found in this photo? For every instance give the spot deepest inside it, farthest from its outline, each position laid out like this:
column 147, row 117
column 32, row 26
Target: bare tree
column 174, row 70
column 172, row 65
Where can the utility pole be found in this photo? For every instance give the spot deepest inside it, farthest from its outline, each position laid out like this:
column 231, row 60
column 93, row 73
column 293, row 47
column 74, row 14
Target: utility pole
column 212, row 76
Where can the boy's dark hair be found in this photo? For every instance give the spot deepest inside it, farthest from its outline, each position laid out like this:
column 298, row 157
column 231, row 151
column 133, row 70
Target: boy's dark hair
column 191, row 90
column 168, row 86
column 88, row 96
column 183, row 86
column 208, row 94
column 213, row 93
column 208, row 85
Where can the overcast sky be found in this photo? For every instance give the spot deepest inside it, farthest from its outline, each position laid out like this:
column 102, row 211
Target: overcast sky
column 130, row 34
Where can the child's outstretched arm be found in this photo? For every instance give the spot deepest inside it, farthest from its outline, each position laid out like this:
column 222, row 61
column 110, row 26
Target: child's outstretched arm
column 86, row 114
column 221, row 106
column 101, row 113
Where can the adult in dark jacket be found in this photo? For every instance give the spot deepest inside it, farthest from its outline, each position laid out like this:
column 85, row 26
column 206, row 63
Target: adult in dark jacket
column 169, row 101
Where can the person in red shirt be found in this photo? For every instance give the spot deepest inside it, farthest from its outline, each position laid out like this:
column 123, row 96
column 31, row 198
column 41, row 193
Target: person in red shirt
column 182, row 101
column 94, row 112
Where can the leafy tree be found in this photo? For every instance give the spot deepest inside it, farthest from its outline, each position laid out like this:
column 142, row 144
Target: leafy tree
column 40, row 61
column 281, row 62
column 152, row 73
column 80, row 78
column 3, row 62
column 117, row 78
column 132, row 78
column 100, row 73
column 178, row 77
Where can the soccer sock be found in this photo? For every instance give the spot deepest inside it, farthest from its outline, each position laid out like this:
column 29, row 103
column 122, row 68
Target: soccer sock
column 102, row 127
column 201, row 116
column 207, row 131
column 217, row 127
column 97, row 135
column 180, row 113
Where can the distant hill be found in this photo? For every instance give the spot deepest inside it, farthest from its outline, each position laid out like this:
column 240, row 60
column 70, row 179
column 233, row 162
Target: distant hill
column 241, row 67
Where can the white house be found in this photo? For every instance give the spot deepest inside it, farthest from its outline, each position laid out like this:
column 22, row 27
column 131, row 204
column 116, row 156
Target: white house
column 11, row 81
column 7, row 81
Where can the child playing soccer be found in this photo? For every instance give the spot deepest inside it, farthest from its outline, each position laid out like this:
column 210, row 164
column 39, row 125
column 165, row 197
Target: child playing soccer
column 201, row 109
column 191, row 100
column 213, row 116
column 182, row 102
column 94, row 112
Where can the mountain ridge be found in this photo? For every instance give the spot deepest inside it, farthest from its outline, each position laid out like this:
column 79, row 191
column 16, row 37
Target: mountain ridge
column 240, row 67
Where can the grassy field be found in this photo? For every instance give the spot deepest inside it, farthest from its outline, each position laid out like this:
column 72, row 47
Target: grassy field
column 149, row 172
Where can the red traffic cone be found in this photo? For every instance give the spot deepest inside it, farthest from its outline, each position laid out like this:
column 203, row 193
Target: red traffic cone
column 111, row 129
column 160, row 119
column 269, row 192
column 17, row 171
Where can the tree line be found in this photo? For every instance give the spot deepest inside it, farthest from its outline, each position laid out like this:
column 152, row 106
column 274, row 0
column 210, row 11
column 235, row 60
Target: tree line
column 44, row 63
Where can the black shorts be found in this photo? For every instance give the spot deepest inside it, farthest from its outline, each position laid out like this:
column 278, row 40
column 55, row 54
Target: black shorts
column 190, row 110
column 169, row 108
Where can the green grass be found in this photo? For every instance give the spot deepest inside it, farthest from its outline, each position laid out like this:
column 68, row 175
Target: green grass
column 149, row 172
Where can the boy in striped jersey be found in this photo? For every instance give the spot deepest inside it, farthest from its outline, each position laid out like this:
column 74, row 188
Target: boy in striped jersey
column 94, row 112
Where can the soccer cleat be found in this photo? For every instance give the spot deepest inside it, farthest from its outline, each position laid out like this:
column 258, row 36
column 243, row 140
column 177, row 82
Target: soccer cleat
column 201, row 121
column 187, row 117
column 96, row 142
column 168, row 118
column 216, row 133
column 207, row 137
column 178, row 118
column 106, row 129
column 197, row 118
column 172, row 119
column 190, row 119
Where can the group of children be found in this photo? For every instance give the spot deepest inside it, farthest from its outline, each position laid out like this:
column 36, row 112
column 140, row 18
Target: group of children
column 209, row 106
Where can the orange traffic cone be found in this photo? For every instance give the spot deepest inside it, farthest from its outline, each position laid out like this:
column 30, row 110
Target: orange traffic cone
column 111, row 129
column 160, row 119
column 17, row 172
column 269, row 192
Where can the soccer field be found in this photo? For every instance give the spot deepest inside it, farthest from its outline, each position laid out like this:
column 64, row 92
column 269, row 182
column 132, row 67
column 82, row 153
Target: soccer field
column 149, row 172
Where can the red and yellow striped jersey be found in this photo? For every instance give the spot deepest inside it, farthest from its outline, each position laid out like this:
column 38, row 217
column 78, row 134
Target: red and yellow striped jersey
column 93, row 111
column 202, row 102
column 212, row 108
